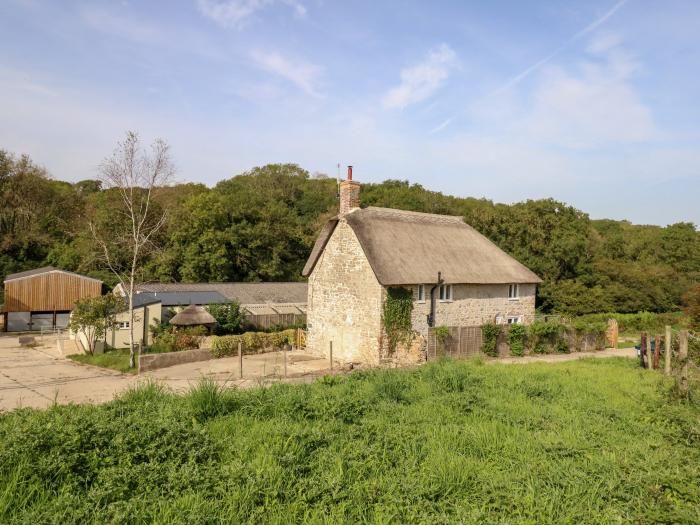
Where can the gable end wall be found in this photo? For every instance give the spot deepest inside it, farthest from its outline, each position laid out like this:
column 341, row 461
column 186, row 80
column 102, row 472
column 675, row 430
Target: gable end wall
column 345, row 301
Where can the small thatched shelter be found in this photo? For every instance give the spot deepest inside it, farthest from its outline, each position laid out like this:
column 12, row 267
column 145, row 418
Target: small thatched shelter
column 194, row 315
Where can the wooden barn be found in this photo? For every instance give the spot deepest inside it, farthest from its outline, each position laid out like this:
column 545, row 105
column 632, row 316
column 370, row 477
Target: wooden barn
column 43, row 298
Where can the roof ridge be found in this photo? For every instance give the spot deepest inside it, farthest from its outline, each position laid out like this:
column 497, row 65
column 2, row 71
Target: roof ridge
column 416, row 214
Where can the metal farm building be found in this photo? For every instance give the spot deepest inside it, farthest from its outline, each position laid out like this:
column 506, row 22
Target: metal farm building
column 43, row 298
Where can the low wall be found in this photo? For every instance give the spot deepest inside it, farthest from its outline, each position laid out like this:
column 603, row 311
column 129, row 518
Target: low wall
column 154, row 361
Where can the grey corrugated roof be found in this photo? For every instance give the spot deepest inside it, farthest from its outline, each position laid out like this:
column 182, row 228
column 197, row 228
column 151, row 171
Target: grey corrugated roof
column 405, row 247
column 185, row 298
column 243, row 293
column 44, row 269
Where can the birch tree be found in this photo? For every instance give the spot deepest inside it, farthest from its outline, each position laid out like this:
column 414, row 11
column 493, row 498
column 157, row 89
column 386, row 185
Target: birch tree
column 126, row 234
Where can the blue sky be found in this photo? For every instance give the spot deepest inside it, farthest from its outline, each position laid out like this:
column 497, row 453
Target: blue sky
column 594, row 103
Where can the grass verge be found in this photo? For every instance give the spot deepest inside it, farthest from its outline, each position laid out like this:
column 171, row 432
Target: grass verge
column 115, row 359
column 589, row 441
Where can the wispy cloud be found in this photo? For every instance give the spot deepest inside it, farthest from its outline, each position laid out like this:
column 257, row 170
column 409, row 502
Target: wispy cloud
column 232, row 13
column 302, row 74
column 441, row 126
column 586, row 30
column 420, row 81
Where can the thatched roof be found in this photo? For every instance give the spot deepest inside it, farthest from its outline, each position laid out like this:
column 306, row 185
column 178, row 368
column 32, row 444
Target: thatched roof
column 405, row 247
column 193, row 315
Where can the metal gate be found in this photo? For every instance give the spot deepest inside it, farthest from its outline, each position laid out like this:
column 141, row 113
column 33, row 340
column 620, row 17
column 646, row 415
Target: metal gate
column 462, row 341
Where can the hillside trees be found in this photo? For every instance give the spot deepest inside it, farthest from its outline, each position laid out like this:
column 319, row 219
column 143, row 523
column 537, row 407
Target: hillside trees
column 261, row 225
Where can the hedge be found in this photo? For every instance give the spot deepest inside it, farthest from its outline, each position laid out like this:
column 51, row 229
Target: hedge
column 251, row 342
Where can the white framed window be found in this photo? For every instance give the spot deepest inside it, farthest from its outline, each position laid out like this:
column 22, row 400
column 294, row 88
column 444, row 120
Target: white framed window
column 421, row 293
column 513, row 291
column 123, row 325
column 514, row 319
column 445, row 292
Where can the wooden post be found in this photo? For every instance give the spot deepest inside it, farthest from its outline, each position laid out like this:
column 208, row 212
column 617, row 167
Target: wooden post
column 657, row 351
column 331, row 355
column 667, row 351
column 650, row 363
column 683, row 358
column 284, row 352
column 240, row 361
column 642, row 348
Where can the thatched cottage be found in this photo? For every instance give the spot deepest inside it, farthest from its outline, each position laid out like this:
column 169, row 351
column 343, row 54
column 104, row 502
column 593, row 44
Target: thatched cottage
column 456, row 275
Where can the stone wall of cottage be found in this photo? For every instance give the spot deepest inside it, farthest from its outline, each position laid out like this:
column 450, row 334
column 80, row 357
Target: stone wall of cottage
column 345, row 302
column 473, row 305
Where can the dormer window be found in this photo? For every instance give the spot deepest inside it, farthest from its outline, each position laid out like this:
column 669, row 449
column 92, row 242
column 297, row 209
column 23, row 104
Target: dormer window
column 445, row 293
column 513, row 291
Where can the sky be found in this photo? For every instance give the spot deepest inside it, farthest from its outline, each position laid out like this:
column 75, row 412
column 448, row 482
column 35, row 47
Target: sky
column 593, row 102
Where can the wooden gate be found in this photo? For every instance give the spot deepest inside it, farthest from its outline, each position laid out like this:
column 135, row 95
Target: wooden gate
column 462, row 341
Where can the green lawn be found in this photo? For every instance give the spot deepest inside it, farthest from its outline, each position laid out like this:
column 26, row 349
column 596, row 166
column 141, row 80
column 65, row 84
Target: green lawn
column 115, row 359
column 592, row 441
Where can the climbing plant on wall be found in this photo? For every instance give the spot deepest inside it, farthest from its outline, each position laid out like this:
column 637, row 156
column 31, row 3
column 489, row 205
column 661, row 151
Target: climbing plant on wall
column 396, row 317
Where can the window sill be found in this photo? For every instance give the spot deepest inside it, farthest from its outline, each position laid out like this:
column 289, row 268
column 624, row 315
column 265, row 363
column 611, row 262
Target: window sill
column 514, row 299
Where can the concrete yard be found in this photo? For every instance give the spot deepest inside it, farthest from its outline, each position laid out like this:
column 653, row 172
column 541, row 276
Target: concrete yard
column 41, row 376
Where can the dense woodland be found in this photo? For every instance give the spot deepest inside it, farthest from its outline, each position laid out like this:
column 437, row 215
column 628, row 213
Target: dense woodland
column 261, row 225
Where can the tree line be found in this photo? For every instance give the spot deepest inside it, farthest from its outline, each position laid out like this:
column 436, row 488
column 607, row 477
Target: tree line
column 261, row 225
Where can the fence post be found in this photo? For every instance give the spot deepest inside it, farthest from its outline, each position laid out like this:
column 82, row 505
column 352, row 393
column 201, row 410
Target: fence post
column 667, row 351
column 650, row 363
column 657, row 351
column 642, row 349
column 284, row 352
column 240, row 361
column 683, row 358
column 331, row 356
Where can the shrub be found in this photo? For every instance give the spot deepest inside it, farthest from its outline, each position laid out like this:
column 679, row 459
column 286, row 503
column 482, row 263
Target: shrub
column 442, row 334
column 563, row 346
column 251, row 342
column 490, row 333
column 544, row 335
column 177, row 340
column 516, row 339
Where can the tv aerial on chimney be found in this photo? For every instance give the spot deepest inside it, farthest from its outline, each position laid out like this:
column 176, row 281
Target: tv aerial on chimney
column 337, row 183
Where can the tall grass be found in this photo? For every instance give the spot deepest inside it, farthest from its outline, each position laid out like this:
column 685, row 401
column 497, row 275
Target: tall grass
column 594, row 441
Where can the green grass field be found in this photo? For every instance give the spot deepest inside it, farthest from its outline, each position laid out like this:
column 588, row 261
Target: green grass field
column 592, row 441
column 115, row 359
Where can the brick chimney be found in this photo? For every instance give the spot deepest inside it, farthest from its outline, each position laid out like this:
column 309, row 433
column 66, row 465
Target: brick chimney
column 349, row 194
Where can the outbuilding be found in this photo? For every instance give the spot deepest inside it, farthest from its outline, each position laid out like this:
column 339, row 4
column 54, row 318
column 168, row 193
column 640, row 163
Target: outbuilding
column 44, row 297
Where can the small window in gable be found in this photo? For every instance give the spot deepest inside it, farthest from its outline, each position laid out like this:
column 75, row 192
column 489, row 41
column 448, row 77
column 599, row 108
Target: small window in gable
column 445, row 292
column 123, row 325
column 513, row 291
column 421, row 293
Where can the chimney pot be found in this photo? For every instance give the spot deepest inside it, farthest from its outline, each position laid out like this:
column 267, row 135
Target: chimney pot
column 349, row 172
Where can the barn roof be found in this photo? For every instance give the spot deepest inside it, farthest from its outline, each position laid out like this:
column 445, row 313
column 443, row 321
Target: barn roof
column 243, row 293
column 405, row 247
column 42, row 270
column 183, row 298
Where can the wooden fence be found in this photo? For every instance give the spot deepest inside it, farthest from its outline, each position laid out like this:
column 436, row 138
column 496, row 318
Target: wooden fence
column 266, row 321
column 462, row 341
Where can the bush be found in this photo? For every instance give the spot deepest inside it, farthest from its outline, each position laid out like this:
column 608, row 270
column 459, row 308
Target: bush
column 490, row 333
column 516, row 339
column 251, row 342
column 637, row 322
column 544, row 335
column 177, row 340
